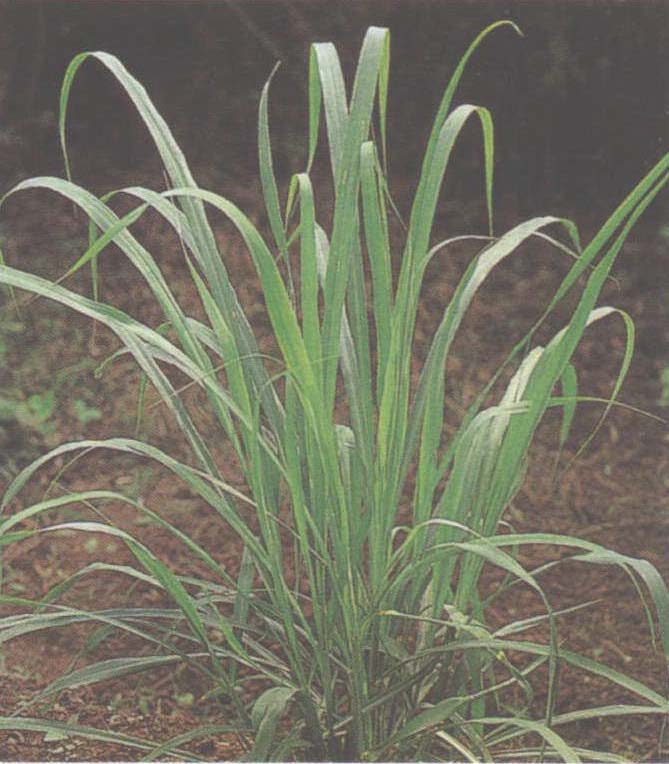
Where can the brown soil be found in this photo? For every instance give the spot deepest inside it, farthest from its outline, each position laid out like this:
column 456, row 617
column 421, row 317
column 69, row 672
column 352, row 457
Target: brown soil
column 615, row 494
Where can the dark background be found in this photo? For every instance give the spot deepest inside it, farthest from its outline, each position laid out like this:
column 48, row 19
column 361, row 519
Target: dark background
column 581, row 103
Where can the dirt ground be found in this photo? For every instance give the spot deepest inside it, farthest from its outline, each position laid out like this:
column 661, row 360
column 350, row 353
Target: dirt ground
column 615, row 494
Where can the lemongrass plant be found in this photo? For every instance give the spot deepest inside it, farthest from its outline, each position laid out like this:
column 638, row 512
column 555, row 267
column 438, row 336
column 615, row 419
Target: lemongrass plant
column 366, row 627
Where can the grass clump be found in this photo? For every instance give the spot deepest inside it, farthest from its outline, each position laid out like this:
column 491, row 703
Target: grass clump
column 363, row 625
